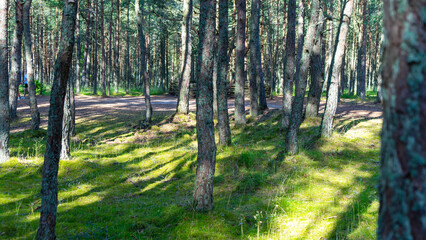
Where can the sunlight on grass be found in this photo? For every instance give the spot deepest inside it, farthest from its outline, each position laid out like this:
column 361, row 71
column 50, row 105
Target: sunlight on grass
column 126, row 183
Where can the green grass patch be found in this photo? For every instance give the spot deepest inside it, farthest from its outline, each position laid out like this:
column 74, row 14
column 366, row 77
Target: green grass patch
column 127, row 183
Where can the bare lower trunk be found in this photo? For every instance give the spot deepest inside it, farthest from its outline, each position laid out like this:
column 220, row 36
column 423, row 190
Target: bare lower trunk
column 15, row 76
column 4, row 84
column 240, row 74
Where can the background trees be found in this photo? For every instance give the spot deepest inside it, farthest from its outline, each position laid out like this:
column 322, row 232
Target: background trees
column 4, row 83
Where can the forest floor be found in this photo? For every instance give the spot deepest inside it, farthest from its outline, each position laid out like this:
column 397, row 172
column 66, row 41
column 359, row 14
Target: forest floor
column 124, row 182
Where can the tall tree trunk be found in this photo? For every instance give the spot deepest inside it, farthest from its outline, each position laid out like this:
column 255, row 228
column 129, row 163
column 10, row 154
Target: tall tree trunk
column 86, row 61
column 186, row 54
column 4, row 83
column 254, row 40
column 240, row 73
column 145, row 76
column 110, row 66
column 95, row 48
column 301, row 80
column 206, row 160
column 317, row 74
column 127, row 65
column 15, row 76
column 35, row 114
column 379, row 97
column 289, row 60
column 67, row 121
column 117, row 49
column 49, row 183
column 402, row 191
column 336, row 65
column 363, row 53
column 103, row 50
column 222, row 70
column 77, row 36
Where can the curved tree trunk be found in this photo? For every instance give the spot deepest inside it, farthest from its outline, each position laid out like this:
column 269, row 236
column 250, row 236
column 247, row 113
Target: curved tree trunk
column 35, row 114
column 15, row 75
column 186, row 55
column 206, row 160
column 240, row 74
column 4, row 84
column 145, row 76
column 222, row 71
column 301, row 81
column 289, row 62
column 49, row 183
column 402, row 191
column 336, row 65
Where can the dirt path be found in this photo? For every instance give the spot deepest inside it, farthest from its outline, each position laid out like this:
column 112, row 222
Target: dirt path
column 89, row 106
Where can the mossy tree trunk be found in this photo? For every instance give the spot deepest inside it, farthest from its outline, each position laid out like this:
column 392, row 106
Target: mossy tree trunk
column 402, row 185
column 49, row 184
column 206, row 160
column 301, row 80
column 4, row 83
column 186, row 59
column 335, row 69
column 240, row 73
column 222, row 71
column 35, row 114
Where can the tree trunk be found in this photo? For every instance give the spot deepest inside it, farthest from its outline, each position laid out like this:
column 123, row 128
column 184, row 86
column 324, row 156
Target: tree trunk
column 77, row 36
column 222, row 71
column 117, row 49
column 336, row 65
column 103, row 51
column 206, row 160
column 4, row 83
column 127, row 66
column 317, row 74
column 289, row 62
column 363, row 53
column 67, row 121
column 95, row 52
column 15, row 76
column 110, row 66
column 49, row 184
column 240, row 74
column 35, row 114
column 146, row 80
column 254, row 40
column 86, row 61
column 301, row 81
column 402, row 191
column 186, row 55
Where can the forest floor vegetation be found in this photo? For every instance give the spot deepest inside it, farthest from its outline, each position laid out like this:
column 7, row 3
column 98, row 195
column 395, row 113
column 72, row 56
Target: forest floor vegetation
column 126, row 182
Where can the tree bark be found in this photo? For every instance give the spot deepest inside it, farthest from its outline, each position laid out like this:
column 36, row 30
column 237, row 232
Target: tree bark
column 49, row 184
column 67, row 121
column 335, row 68
column 402, row 191
column 301, row 81
column 95, row 52
column 206, row 160
column 4, row 83
column 186, row 55
column 86, row 61
column 317, row 74
column 78, row 41
column 35, row 114
column 103, row 51
column 254, row 40
column 146, row 80
column 363, row 53
column 222, row 71
column 117, row 49
column 15, row 76
column 289, row 62
column 240, row 74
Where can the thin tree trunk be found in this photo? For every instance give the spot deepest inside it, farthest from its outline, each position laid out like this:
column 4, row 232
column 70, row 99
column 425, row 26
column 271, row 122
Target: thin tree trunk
column 336, row 65
column 35, row 114
column 206, row 160
column 4, row 83
column 222, row 70
column 240, row 73
column 254, row 40
column 146, row 80
column 49, row 183
column 86, row 61
column 95, row 52
column 402, row 191
column 117, row 49
column 77, row 36
column 15, row 76
column 186, row 54
column 127, row 65
column 301, row 81
column 67, row 121
column 103, row 51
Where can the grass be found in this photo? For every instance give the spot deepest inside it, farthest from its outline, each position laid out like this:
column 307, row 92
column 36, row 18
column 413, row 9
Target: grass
column 127, row 183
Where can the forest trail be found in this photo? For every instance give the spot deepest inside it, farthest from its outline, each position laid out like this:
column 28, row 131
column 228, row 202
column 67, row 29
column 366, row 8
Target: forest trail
column 93, row 107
